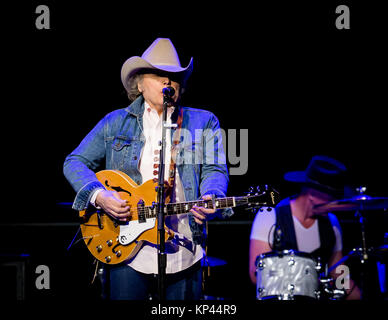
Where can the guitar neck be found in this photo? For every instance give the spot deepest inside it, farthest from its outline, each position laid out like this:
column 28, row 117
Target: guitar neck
column 185, row 207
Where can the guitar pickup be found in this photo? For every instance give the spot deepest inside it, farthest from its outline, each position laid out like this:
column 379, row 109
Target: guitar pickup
column 99, row 219
column 141, row 212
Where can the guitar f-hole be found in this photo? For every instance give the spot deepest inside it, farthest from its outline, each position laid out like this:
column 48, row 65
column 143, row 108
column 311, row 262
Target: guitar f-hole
column 118, row 252
column 118, row 188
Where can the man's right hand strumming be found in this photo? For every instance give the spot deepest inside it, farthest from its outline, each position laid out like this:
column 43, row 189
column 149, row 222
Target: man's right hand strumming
column 110, row 202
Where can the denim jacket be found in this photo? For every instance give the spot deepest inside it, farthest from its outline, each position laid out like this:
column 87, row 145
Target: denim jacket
column 116, row 143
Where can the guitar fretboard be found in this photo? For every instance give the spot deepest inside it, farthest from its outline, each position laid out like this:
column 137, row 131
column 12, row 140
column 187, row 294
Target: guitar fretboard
column 145, row 212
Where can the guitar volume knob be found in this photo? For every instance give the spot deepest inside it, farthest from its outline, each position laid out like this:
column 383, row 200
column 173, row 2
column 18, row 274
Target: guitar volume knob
column 108, row 259
column 99, row 248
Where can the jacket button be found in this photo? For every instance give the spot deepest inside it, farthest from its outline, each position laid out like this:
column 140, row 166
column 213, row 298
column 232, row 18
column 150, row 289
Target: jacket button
column 156, row 172
column 135, row 158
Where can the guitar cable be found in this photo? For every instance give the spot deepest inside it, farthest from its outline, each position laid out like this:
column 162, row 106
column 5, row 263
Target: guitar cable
column 72, row 241
column 97, row 263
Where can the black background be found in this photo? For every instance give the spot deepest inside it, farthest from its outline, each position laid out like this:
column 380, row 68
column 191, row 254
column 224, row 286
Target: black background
column 279, row 69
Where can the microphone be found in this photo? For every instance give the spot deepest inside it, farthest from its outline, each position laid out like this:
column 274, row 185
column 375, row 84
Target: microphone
column 168, row 91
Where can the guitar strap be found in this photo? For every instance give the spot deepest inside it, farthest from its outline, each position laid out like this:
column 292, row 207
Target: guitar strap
column 172, row 167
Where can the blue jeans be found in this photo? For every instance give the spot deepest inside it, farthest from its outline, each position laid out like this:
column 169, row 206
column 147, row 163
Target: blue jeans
column 129, row 284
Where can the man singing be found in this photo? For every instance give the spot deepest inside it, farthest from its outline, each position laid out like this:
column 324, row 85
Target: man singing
column 129, row 140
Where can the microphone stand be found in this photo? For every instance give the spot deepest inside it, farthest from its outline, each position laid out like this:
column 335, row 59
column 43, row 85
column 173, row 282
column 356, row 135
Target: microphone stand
column 162, row 259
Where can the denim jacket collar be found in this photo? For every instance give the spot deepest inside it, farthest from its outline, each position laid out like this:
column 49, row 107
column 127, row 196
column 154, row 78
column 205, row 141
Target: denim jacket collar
column 136, row 108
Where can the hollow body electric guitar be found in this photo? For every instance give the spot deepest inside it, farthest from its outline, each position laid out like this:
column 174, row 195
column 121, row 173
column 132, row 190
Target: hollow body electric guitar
column 112, row 241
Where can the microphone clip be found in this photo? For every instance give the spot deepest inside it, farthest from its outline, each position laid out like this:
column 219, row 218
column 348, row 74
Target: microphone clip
column 168, row 93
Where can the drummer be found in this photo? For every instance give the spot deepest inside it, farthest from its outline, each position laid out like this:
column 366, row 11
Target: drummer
column 294, row 224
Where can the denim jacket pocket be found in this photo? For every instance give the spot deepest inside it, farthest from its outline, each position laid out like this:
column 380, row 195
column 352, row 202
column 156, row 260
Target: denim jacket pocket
column 122, row 149
column 119, row 142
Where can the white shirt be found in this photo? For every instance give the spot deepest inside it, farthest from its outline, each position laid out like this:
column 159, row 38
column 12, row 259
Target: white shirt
column 307, row 238
column 181, row 252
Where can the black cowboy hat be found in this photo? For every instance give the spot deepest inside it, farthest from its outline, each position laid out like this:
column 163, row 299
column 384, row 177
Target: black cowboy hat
column 324, row 174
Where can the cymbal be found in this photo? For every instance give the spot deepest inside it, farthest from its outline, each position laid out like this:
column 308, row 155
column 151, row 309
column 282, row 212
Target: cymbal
column 212, row 262
column 382, row 249
column 360, row 202
column 380, row 253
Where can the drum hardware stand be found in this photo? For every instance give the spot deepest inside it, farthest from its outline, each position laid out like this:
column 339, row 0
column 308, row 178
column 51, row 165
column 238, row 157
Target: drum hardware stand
column 361, row 252
column 358, row 214
column 360, row 203
column 363, row 249
column 326, row 283
column 329, row 290
column 364, row 256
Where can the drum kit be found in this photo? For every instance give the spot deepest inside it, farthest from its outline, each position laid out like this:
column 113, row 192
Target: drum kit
column 293, row 275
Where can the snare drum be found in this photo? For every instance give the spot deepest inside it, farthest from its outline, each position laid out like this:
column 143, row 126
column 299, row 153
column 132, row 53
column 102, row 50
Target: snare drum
column 287, row 275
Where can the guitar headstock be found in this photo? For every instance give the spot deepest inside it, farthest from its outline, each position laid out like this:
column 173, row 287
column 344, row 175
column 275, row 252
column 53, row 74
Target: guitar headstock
column 262, row 196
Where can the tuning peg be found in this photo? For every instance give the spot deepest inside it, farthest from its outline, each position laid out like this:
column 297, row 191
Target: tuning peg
column 251, row 209
column 250, row 191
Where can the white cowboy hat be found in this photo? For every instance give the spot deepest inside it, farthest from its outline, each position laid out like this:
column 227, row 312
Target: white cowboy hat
column 160, row 55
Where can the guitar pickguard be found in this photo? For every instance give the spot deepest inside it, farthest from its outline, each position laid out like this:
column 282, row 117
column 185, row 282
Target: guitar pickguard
column 133, row 229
